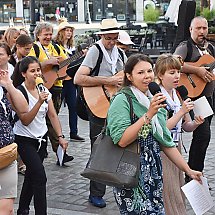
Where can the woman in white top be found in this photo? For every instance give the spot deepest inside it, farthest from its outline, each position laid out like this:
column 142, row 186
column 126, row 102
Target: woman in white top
column 30, row 135
column 168, row 69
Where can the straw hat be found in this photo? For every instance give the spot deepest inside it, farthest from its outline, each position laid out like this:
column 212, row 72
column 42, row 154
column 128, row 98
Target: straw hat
column 64, row 24
column 124, row 38
column 109, row 26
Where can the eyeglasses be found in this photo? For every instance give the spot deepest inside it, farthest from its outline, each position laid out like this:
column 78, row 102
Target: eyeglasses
column 111, row 39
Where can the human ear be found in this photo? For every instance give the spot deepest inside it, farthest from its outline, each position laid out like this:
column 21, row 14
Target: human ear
column 129, row 77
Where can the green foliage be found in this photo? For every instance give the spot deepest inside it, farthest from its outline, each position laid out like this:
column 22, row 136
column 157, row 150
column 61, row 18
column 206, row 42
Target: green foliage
column 198, row 10
column 208, row 14
column 211, row 30
column 151, row 14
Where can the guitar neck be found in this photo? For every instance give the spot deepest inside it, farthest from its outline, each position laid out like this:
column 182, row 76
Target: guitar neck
column 70, row 59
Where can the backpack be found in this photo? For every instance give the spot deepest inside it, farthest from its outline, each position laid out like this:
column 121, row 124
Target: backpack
column 37, row 49
column 190, row 50
column 15, row 118
column 81, row 105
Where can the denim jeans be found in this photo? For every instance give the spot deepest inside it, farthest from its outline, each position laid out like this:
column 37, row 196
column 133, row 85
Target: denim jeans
column 69, row 93
column 34, row 184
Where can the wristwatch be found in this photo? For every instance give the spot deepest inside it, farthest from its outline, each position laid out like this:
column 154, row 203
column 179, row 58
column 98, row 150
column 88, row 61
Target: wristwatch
column 61, row 136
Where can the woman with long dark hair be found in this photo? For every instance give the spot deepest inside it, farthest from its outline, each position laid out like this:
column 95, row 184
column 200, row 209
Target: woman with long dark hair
column 30, row 135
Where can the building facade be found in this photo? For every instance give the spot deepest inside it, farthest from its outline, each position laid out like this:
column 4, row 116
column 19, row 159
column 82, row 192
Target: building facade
column 74, row 10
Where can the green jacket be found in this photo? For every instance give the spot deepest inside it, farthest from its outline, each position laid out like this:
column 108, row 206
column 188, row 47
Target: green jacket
column 118, row 118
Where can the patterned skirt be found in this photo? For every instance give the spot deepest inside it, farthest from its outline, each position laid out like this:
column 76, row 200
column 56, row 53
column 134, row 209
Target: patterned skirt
column 146, row 199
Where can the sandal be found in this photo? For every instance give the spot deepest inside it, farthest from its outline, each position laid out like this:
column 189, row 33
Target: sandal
column 22, row 169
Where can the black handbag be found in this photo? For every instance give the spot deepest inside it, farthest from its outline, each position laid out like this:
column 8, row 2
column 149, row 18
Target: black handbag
column 113, row 165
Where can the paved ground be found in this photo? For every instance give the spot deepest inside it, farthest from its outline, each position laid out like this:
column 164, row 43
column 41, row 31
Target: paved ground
column 67, row 191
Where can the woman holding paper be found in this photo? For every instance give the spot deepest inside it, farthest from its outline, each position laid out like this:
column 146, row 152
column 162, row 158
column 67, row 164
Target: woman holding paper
column 150, row 131
column 30, row 134
column 167, row 69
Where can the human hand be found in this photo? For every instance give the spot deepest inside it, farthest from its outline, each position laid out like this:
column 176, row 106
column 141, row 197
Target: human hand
column 4, row 78
column 63, row 143
column 195, row 175
column 206, row 75
column 156, row 102
column 53, row 60
column 198, row 120
column 43, row 96
column 116, row 80
column 187, row 105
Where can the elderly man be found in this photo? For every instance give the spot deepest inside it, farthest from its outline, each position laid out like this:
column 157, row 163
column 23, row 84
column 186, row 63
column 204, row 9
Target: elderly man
column 49, row 54
column 191, row 51
column 102, row 62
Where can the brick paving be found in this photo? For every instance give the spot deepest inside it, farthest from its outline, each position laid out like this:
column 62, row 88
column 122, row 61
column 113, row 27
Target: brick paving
column 67, row 191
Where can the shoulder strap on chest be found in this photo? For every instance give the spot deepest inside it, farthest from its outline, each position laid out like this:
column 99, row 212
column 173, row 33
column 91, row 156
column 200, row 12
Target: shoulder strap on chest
column 95, row 70
column 56, row 47
column 211, row 49
column 24, row 92
column 189, row 51
column 36, row 50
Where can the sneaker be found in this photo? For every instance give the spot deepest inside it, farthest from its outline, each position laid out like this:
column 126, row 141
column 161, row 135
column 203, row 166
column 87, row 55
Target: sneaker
column 97, row 201
column 66, row 158
column 76, row 138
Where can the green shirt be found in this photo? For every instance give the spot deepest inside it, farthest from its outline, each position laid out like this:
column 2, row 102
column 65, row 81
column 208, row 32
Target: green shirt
column 118, row 119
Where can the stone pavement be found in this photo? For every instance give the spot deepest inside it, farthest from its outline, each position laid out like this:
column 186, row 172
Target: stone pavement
column 67, row 191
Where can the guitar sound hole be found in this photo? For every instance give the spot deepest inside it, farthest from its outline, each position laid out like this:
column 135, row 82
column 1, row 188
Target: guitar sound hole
column 55, row 68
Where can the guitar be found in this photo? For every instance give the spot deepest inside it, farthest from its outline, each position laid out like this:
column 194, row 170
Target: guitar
column 53, row 72
column 194, row 84
column 98, row 97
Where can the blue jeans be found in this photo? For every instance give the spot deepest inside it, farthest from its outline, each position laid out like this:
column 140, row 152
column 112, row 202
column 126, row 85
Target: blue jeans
column 69, row 93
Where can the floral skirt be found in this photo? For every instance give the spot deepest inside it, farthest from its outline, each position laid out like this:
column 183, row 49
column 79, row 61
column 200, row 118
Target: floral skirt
column 146, row 199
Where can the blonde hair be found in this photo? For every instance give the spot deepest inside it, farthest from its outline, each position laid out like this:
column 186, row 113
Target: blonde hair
column 9, row 34
column 166, row 62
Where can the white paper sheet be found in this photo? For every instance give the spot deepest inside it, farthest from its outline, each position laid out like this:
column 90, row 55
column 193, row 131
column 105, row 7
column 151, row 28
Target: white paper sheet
column 202, row 107
column 60, row 154
column 198, row 195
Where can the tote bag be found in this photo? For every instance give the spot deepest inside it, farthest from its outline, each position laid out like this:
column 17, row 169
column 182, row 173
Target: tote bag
column 113, row 165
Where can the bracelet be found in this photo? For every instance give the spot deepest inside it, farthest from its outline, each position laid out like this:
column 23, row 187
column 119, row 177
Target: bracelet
column 148, row 118
column 61, row 136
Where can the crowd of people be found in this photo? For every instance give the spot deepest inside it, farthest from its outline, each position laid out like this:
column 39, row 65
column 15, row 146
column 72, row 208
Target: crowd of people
column 157, row 123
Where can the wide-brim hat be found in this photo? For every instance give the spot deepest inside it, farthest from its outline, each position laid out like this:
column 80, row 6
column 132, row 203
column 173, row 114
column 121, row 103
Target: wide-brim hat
column 109, row 26
column 124, row 38
column 64, row 25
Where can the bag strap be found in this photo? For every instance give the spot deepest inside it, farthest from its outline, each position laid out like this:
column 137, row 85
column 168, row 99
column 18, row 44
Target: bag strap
column 24, row 92
column 131, row 106
column 131, row 112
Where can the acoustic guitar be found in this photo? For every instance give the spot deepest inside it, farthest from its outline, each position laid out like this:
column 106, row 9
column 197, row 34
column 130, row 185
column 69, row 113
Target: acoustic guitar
column 98, row 98
column 194, row 84
column 53, row 72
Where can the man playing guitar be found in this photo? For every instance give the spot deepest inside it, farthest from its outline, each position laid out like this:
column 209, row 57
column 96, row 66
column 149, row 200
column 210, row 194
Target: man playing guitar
column 86, row 76
column 50, row 54
column 191, row 51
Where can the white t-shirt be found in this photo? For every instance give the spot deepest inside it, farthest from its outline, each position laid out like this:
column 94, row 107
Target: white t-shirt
column 37, row 128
